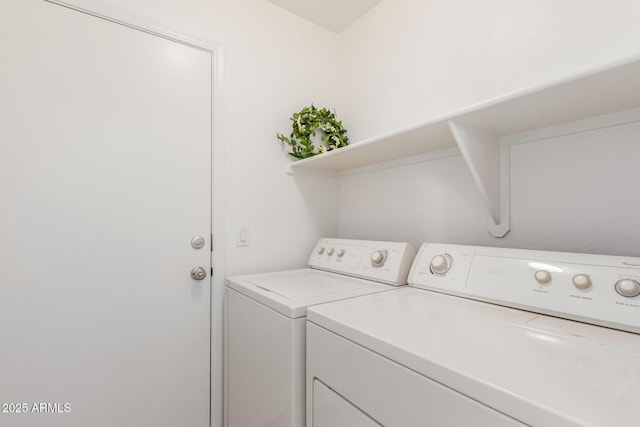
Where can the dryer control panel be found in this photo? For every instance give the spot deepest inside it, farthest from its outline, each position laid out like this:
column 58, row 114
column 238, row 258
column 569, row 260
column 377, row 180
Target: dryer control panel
column 385, row 262
column 599, row 289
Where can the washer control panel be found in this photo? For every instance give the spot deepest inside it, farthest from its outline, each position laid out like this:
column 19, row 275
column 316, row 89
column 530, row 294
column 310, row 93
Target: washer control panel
column 598, row 289
column 386, row 262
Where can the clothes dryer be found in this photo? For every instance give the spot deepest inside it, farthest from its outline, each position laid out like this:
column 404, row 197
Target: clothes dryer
column 483, row 337
column 265, row 331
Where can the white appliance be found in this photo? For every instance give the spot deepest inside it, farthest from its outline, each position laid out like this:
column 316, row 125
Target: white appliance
column 482, row 338
column 265, row 324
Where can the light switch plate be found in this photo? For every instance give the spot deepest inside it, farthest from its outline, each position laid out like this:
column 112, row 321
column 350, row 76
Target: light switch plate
column 242, row 235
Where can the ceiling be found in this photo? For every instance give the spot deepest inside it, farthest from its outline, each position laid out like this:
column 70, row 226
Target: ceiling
column 334, row 15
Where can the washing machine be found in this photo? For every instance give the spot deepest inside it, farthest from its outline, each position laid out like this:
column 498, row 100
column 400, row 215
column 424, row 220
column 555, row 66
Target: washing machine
column 265, row 330
column 483, row 337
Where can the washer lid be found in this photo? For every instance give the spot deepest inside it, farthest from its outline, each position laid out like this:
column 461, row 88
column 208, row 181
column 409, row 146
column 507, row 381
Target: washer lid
column 291, row 292
column 537, row 369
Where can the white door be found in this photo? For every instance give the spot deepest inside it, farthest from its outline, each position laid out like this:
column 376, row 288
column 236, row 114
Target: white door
column 105, row 177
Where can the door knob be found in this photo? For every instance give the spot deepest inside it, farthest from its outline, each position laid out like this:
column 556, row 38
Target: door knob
column 198, row 273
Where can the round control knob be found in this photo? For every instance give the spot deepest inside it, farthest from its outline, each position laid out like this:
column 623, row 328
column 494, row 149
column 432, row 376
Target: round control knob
column 440, row 264
column 581, row 281
column 378, row 258
column 320, row 250
column 628, row 287
column 340, row 253
column 542, row 276
column 330, row 251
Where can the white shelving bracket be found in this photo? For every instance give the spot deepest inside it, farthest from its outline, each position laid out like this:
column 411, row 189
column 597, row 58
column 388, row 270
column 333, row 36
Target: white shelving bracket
column 488, row 162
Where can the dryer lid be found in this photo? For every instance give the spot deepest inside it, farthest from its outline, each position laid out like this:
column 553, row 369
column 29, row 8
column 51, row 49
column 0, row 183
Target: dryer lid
column 538, row 369
column 291, row 292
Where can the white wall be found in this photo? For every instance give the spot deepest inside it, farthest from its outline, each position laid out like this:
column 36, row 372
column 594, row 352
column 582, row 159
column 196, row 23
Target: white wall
column 568, row 193
column 577, row 192
column 408, row 61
